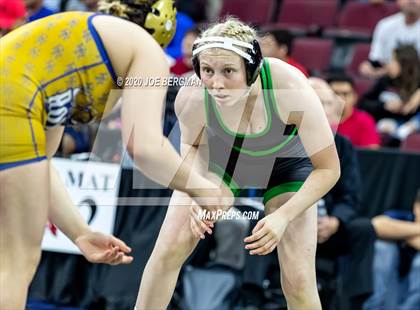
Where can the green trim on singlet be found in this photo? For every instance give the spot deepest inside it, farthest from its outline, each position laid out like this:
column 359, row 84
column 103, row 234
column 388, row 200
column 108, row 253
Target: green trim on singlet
column 266, row 76
column 273, row 98
column 226, row 178
column 267, row 86
column 243, row 135
column 270, row 88
column 281, row 189
column 265, row 152
column 206, row 104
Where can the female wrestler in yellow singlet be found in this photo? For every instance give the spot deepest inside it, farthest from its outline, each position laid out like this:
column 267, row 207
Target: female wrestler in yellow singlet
column 61, row 70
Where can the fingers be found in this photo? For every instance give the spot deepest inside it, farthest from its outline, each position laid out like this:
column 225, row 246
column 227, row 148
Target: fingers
column 258, row 243
column 259, row 225
column 195, row 229
column 257, row 232
column 106, row 256
column 121, row 244
column 121, row 258
column 266, row 248
column 203, row 225
column 115, row 256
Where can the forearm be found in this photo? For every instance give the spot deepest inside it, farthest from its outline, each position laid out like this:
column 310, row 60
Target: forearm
column 388, row 228
column 161, row 163
column 318, row 183
column 62, row 211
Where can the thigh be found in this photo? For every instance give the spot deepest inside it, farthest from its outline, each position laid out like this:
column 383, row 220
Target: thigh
column 297, row 247
column 23, row 209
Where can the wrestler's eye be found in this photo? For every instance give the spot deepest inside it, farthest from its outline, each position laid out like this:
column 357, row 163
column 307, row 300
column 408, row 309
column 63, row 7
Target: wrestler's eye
column 229, row 71
column 207, row 70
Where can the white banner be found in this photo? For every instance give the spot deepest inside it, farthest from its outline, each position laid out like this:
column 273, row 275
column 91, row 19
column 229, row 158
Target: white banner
column 93, row 188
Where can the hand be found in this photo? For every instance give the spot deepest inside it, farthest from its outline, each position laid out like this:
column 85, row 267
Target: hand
column 327, row 226
column 366, row 69
column 393, row 106
column 266, row 234
column 100, row 248
column 198, row 224
column 219, row 197
column 410, row 107
column 414, row 242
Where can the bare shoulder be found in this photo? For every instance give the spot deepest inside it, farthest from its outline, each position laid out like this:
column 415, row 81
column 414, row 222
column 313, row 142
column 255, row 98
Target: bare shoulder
column 122, row 32
column 124, row 40
column 286, row 76
column 292, row 91
column 189, row 103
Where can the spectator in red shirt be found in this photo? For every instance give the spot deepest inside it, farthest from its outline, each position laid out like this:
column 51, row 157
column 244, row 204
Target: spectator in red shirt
column 358, row 126
column 183, row 64
column 277, row 43
column 12, row 15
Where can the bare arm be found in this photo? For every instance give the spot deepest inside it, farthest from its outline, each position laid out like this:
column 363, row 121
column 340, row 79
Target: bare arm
column 392, row 229
column 62, row 211
column 299, row 104
column 138, row 56
column 95, row 246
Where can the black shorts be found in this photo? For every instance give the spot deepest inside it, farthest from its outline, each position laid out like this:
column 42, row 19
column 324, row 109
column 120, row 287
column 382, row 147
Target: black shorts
column 286, row 175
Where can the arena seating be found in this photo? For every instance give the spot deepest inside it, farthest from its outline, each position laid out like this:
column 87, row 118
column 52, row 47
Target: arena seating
column 254, row 12
column 307, row 15
column 313, row 53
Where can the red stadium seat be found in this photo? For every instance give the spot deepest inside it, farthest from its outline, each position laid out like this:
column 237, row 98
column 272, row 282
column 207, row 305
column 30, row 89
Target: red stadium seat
column 360, row 54
column 335, row 1
column 313, row 53
column 306, row 15
column 362, row 85
column 411, row 143
column 360, row 18
column 254, row 12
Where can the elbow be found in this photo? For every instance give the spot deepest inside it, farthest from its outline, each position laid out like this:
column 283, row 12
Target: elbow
column 144, row 149
column 335, row 174
column 145, row 152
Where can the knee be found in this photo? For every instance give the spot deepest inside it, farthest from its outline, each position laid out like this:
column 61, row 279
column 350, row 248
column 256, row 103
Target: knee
column 173, row 253
column 298, row 286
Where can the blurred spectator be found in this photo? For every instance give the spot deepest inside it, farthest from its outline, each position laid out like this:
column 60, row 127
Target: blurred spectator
column 37, row 10
column 75, row 140
column 71, row 5
column 390, row 32
column 196, row 9
column 397, row 260
column 12, row 15
column 278, row 44
column 409, row 127
column 183, row 24
column 358, row 126
column 91, row 5
column 341, row 228
column 395, row 98
column 183, row 63
column 213, row 9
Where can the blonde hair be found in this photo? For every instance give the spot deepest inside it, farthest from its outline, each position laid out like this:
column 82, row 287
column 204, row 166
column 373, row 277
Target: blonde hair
column 231, row 27
column 134, row 11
